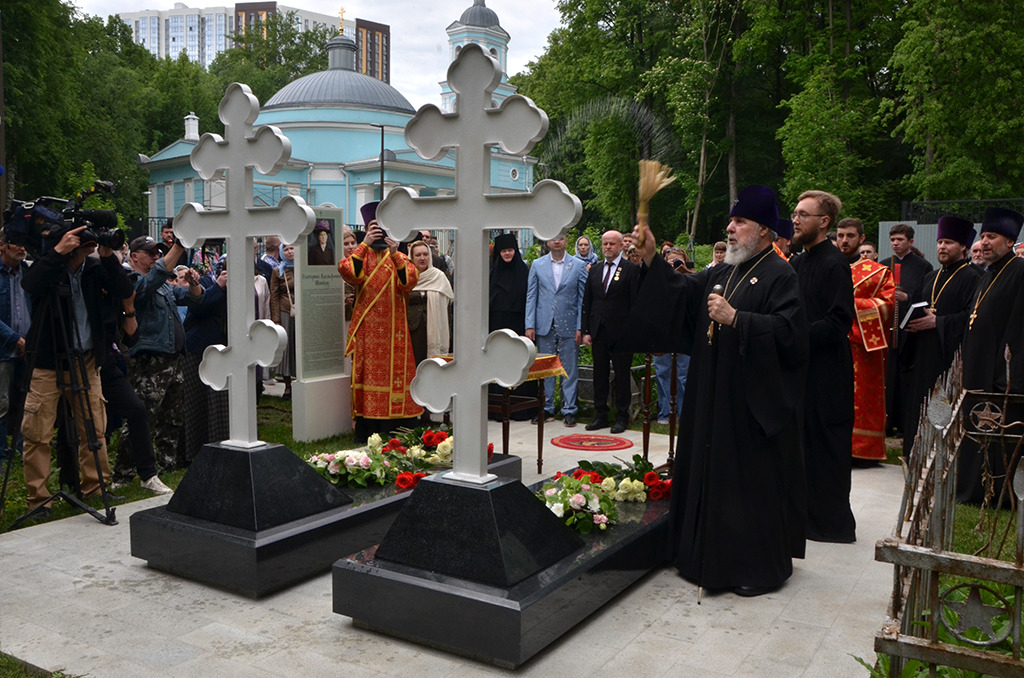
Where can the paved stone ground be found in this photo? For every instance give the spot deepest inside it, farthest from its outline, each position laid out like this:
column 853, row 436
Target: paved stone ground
column 72, row 597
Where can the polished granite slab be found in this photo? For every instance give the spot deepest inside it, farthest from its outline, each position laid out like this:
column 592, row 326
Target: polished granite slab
column 255, row 553
column 495, row 533
column 503, row 625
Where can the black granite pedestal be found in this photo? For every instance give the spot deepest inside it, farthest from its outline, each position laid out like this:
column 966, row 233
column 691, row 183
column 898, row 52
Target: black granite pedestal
column 211, row 532
column 503, row 625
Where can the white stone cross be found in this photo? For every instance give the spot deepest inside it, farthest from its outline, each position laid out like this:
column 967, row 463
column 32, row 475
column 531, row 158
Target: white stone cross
column 250, row 341
column 475, row 126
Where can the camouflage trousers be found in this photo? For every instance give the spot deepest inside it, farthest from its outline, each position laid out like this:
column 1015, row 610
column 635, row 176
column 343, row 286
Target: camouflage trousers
column 157, row 380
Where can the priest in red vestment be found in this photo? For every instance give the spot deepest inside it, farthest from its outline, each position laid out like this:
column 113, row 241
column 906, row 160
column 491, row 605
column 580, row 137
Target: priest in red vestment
column 874, row 296
column 378, row 334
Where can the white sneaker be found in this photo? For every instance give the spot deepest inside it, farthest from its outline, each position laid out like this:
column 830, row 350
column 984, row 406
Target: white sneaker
column 156, row 486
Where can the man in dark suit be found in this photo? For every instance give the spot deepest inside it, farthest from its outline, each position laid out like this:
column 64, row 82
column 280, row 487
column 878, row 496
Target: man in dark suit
column 909, row 277
column 611, row 286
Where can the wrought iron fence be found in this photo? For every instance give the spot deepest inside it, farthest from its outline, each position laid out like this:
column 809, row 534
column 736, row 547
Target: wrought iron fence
column 938, row 614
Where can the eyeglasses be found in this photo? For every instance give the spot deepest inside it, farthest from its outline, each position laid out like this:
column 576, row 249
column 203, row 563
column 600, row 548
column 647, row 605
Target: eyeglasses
column 803, row 215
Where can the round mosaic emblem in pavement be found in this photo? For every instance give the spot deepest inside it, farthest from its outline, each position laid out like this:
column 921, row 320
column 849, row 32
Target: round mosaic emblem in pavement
column 591, row 441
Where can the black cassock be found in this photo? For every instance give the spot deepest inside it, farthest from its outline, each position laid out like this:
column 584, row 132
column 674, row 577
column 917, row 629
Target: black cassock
column 738, row 499
column 826, row 293
column 998, row 305
column 900, row 362
column 950, row 292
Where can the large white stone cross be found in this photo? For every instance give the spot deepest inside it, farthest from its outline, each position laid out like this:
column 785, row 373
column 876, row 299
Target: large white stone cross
column 250, row 341
column 475, row 126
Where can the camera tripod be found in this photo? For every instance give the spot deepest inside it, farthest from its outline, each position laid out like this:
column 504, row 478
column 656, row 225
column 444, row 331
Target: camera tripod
column 72, row 380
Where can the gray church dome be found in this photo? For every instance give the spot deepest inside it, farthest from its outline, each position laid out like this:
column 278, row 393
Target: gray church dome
column 479, row 15
column 340, row 86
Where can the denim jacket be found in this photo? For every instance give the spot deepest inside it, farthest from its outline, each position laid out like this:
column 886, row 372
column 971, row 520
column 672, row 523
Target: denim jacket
column 8, row 337
column 156, row 302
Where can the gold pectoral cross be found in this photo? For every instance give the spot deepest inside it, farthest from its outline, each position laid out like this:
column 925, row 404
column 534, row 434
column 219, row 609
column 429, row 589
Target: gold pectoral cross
column 974, row 314
column 711, row 332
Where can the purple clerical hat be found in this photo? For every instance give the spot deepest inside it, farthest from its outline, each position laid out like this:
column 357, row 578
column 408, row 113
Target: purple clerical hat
column 1003, row 221
column 369, row 212
column 784, row 228
column 757, row 203
column 956, row 228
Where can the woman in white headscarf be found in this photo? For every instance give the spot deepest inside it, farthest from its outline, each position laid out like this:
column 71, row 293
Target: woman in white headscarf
column 428, row 307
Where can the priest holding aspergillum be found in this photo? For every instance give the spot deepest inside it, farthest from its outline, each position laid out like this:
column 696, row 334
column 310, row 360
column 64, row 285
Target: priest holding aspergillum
column 739, row 505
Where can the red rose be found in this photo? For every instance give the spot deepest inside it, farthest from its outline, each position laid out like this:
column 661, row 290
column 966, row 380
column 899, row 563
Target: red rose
column 490, row 451
column 595, row 477
column 667, row 486
column 578, row 474
column 655, row 493
column 651, row 479
column 558, row 475
column 440, row 437
column 416, row 477
column 405, row 480
column 428, row 438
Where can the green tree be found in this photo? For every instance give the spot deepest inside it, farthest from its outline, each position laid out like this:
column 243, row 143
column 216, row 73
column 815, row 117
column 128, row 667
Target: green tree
column 590, row 83
column 41, row 96
column 691, row 76
column 959, row 68
column 270, row 54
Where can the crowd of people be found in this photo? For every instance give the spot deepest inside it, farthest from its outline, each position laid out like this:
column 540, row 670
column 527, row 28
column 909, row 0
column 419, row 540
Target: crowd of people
column 791, row 368
column 98, row 340
column 794, row 364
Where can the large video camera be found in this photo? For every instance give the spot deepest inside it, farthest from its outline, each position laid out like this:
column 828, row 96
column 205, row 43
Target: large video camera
column 40, row 224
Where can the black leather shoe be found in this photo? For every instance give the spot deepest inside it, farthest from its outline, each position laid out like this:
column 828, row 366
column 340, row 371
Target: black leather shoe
column 569, row 421
column 753, row 591
column 548, row 416
column 596, row 425
column 618, row 427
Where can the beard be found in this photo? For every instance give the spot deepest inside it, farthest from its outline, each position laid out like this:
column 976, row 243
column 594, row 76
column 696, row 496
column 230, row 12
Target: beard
column 741, row 251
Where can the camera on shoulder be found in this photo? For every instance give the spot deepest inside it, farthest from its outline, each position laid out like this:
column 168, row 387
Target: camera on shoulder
column 39, row 225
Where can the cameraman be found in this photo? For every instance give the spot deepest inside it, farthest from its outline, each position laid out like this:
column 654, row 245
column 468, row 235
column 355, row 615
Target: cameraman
column 89, row 284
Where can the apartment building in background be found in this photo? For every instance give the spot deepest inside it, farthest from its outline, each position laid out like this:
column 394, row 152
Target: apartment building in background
column 204, row 32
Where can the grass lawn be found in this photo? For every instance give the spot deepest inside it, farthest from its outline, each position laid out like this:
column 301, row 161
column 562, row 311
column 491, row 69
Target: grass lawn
column 274, row 421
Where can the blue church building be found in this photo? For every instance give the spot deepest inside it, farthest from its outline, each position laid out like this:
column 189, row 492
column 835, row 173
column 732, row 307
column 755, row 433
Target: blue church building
column 335, row 120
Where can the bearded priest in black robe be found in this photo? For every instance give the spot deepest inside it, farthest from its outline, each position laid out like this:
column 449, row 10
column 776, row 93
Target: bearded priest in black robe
column 949, row 293
column 995, row 324
column 738, row 504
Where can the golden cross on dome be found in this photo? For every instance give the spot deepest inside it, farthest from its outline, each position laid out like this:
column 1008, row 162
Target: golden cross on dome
column 341, row 18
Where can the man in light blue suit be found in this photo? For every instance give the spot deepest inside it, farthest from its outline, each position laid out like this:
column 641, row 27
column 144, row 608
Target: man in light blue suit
column 554, row 300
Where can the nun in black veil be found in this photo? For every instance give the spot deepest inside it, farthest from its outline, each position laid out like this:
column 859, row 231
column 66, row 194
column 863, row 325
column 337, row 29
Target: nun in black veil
column 509, row 275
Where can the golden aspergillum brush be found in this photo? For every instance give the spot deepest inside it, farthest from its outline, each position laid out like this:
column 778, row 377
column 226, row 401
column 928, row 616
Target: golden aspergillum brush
column 653, row 177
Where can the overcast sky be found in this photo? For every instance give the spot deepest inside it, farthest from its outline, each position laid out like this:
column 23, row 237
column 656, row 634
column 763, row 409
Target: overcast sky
column 419, row 45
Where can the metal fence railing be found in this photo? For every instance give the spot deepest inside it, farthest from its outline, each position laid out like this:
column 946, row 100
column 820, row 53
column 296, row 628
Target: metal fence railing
column 948, row 608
